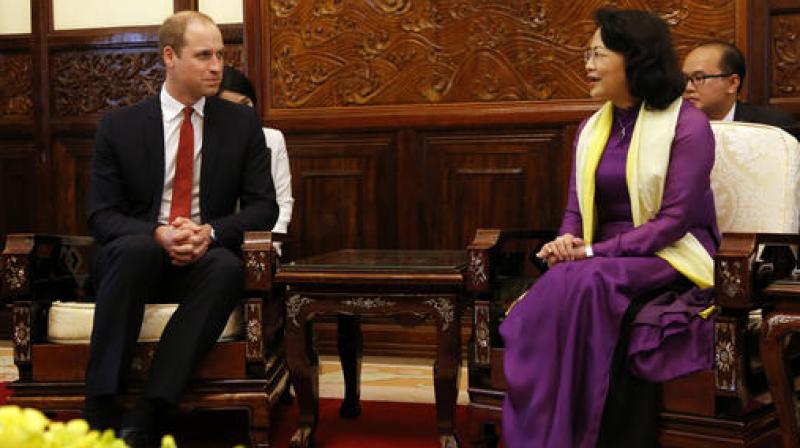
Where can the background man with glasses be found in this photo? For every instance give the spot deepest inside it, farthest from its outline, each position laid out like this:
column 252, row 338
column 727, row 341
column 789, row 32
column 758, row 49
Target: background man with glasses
column 714, row 76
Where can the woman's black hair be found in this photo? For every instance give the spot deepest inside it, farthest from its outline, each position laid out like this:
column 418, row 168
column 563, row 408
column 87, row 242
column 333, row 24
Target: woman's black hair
column 235, row 81
column 644, row 41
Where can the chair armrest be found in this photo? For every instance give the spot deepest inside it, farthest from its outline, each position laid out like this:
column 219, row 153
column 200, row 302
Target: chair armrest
column 259, row 259
column 484, row 248
column 741, row 282
column 41, row 266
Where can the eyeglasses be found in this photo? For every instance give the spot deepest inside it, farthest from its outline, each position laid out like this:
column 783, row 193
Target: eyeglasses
column 593, row 53
column 698, row 79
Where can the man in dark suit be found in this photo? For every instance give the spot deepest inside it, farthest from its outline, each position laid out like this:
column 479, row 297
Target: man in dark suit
column 166, row 177
column 715, row 73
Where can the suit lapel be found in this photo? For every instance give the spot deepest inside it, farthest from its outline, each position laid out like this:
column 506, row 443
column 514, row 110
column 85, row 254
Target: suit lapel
column 154, row 147
column 210, row 154
column 743, row 112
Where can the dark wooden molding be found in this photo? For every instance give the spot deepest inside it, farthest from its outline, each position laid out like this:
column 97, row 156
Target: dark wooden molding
column 757, row 81
column 433, row 116
column 15, row 42
column 252, row 41
column 41, row 24
column 183, row 5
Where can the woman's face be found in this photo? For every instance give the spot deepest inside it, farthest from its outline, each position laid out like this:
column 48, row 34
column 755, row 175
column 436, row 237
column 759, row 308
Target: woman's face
column 235, row 97
column 605, row 70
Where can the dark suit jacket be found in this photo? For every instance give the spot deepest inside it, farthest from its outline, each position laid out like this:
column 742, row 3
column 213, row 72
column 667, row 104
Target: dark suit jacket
column 773, row 117
column 127, row 179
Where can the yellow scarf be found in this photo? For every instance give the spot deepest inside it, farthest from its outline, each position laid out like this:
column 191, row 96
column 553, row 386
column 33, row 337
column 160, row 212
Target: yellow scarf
column 645, row 173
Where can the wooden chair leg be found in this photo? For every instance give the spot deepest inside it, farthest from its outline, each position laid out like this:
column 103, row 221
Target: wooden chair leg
column 304, row 368
column 776, row 327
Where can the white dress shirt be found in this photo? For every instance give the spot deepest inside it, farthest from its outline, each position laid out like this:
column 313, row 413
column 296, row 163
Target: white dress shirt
column 730, row 114
column 281, row 177
column 172, row 117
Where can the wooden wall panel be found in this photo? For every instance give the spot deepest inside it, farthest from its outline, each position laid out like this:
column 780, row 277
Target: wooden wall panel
column 343, row 188
column 17, row 188
column 16, row 99
column 89, row 82
column 785, row 59
column 72, row 158
column 490, row 179
column 381, row 52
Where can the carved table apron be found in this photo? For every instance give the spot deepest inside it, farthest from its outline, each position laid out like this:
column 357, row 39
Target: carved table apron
column 410, row 286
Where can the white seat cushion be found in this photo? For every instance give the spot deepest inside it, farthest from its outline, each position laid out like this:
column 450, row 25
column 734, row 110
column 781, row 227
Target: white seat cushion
column 71, row 322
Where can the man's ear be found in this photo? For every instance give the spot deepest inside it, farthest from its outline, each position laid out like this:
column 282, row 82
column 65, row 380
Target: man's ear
column 735, row 81
column 168, row 54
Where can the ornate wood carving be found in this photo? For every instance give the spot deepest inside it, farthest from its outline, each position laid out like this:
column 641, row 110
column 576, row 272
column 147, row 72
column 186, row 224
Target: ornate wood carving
column 87, row 83
column 370, row 303
column 22, row 334
column 785, row 55
column 254, row 349
column 16, row 96
column 478, row 270
column 91, row 82
column 15, row 279
column 446, row 310
column 482, row 334
column 382, row 52
column 727, row 356
column 294, row 306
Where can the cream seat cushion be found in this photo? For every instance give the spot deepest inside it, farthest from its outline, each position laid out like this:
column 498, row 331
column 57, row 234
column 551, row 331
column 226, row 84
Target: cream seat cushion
column 71, row 322
column 756, row 178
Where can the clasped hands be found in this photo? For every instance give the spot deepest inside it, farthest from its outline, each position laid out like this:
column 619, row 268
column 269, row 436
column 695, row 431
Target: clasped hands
column 566, row 247
column 184, row 240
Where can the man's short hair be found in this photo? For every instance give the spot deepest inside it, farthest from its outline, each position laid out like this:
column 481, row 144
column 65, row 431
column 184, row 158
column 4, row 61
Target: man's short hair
column 731, row 60
column 174, row 27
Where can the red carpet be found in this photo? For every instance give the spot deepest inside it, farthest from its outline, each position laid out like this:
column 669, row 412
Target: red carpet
column 381, row 425
column 4, row 392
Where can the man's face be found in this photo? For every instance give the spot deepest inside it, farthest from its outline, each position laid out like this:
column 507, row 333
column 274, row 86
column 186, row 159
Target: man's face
column 714, row 95
column 197, row 70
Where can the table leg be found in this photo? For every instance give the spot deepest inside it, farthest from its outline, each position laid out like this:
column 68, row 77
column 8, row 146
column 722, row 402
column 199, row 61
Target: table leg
column 774, row 331
column 445, row 373
column 350, row 344
column 304, row 370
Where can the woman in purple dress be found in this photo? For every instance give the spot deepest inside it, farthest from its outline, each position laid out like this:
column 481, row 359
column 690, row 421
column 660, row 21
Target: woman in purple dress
column 637, row 239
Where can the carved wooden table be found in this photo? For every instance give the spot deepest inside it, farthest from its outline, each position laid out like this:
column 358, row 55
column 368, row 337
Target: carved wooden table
column 781, row 322
column 410, row 286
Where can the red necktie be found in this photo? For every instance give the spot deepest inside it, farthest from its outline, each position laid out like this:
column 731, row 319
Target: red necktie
column 184, row 171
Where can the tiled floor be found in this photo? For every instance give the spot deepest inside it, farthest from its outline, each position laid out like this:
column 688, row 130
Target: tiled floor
column 8, row 372
column 382, row 379
column 387, row 379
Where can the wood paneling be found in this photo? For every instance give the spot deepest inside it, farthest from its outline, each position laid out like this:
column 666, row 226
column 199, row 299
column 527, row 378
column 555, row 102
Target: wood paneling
column 343, row 187
column 490, row 179
column 16, row 94
column 785, row 59
column 17, row 192
column 72, row 159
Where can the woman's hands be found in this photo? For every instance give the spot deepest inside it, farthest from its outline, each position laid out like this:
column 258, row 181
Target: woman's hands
column 566, row 247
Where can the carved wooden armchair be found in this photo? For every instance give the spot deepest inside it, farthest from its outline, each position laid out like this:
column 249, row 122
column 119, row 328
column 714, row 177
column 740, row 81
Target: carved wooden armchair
column 45, row 277
column 756, row 181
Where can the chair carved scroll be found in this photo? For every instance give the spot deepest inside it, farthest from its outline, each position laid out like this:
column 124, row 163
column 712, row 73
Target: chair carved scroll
column 46, row 278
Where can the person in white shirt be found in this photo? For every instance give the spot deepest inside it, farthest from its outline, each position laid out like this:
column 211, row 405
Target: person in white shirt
column 235, row 87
